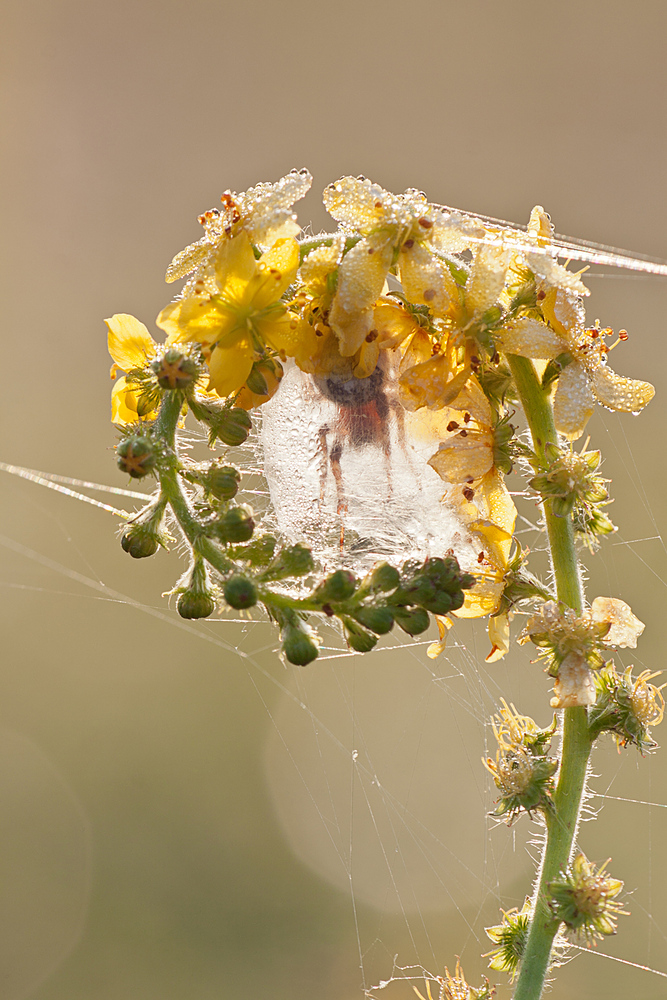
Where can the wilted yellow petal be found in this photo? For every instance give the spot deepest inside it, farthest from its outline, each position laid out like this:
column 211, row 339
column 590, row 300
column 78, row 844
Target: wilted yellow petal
column 574, row 402
column 130, row 343
column 187, row 260
column 499, row 634
column 318, row 265
column 625, row 627
column 444, row 624
column 619, row 393
column 564, row 312
column 574, row 687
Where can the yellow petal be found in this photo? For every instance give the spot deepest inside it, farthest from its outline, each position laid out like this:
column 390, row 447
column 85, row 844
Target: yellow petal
column 431, row 384
column 278, row 267
column 487, row 279
column 369, row 352
column 418, row 349
column 460, row 460
column 531, row 339
column 130, row 343
column 425, row 280
column 574, row 402
column 393, row 324
column 289, row 333
column 361, row 276
column 229, row 366
column 124, row 403
column 194, row 319
column 619, row 393
column 358, row 204
column 235, row 265
column 494, row 499
column 482, row 599
column 472, row 400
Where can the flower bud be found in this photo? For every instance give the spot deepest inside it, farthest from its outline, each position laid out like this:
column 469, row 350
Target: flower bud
column 222, row 481
column 258, row 552
column 236, row 524
column 175, row 370
column 294, row 560
column 136, row 455
column 378, row 620
column 441, row 603
column 339, row 586
column 358, row 638
column 231, row 425
column 411, row 620
column 240, row 592
column 299, row 644
column 139, row 541
column 195, row 604
column 384, row 578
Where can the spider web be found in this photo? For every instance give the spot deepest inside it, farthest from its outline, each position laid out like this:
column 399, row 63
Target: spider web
column 372, row 762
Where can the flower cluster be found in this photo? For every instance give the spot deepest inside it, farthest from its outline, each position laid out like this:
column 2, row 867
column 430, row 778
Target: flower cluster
column 444, row 297
column 522, row 770
column 585, row 901
column 572, row 644
column 408, row 338
column 455, row 987
column 509, row 937
column 627, row 707
column 569, row 481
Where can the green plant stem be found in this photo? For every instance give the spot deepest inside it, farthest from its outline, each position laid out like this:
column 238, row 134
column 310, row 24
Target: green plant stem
column 576, row 744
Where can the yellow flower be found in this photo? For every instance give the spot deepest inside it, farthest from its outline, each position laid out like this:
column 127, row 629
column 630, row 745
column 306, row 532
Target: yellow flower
column 263, row 213
column 245, row 316
column 318, row 351
column 489, row 517
column 131, row 347
column 587, row 378
column 467, row 454
column 396, row 229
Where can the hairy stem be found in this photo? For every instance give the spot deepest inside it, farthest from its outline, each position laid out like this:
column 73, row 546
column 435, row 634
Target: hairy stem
column 576, row 746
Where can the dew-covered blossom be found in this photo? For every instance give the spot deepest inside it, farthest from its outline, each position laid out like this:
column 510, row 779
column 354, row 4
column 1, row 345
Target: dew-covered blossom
column 264, row 213
column 255, row 297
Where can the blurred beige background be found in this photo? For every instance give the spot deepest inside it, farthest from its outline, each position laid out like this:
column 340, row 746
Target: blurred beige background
column 172, row 825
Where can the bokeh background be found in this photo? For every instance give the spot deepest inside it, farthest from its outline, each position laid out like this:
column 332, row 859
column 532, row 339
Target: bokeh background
column 176, row 808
